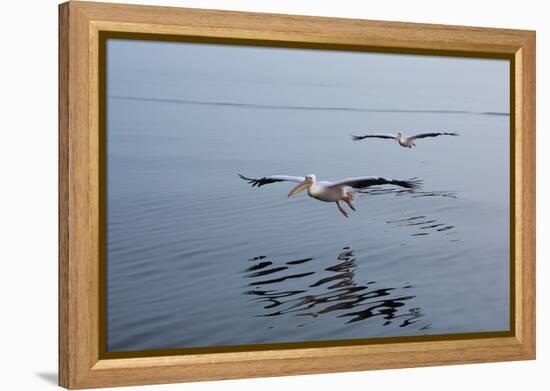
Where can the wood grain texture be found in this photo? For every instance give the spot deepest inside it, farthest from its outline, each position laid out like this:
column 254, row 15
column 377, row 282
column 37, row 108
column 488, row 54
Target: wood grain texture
column 168, row 20
column 77, row 261
column 528, row 201
column 79, row 167
column 63, row 200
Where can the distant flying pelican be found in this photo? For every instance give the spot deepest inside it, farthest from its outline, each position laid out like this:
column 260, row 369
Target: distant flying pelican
column 404, row 141
column 331, row 191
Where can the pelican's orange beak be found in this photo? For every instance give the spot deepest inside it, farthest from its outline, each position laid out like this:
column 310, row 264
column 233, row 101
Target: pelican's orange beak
column 301, row 187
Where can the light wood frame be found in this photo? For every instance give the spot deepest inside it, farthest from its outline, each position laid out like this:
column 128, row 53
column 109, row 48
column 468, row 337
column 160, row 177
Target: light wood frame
column 80, row 24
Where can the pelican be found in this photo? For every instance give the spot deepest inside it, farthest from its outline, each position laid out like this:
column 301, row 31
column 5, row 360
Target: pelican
column 404, row 141
column 331, row 191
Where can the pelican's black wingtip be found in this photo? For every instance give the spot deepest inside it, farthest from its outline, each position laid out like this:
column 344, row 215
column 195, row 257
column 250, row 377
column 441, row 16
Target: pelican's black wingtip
column 415, row 183
column 248, row 180
column 252, row 181
column 355, row 138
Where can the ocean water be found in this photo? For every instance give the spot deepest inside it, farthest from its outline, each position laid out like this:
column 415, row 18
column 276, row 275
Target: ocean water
column 198, row 258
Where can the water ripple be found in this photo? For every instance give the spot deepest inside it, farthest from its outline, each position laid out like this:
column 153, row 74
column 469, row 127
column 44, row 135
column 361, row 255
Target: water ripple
column 297, row 107
column 373, row 191
column 423, row 224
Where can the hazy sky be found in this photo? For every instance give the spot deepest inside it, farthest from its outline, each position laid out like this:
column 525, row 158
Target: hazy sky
column 278, row 76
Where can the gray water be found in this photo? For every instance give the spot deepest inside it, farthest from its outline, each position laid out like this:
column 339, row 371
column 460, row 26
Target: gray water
column 197, row 258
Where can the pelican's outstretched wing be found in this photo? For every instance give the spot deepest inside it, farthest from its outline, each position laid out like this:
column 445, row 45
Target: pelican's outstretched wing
column 385, row 135
column 366, row 181
column 424, row 135
column 266, row 180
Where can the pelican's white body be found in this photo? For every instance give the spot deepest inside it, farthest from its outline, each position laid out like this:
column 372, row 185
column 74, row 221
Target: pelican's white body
column 323, row 191
column 404, row 141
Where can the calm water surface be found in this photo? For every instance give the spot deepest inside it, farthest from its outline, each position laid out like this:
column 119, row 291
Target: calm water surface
column 196, row 257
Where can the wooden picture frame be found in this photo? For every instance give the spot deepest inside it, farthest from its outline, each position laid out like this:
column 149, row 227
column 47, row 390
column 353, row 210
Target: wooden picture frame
column 81, row 24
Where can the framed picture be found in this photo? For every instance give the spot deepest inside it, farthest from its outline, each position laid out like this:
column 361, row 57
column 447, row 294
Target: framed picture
column 247, row 195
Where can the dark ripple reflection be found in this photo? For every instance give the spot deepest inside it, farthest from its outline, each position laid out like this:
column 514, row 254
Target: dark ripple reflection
column 422, row 225
column 373, row 191
column 336, row 292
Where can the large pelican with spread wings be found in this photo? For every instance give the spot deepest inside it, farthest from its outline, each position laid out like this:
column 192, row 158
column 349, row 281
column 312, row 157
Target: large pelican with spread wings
column 332, row 191
column 404, row 141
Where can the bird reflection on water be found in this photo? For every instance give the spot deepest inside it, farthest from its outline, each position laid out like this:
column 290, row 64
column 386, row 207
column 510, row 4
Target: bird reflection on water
column 337, row 292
